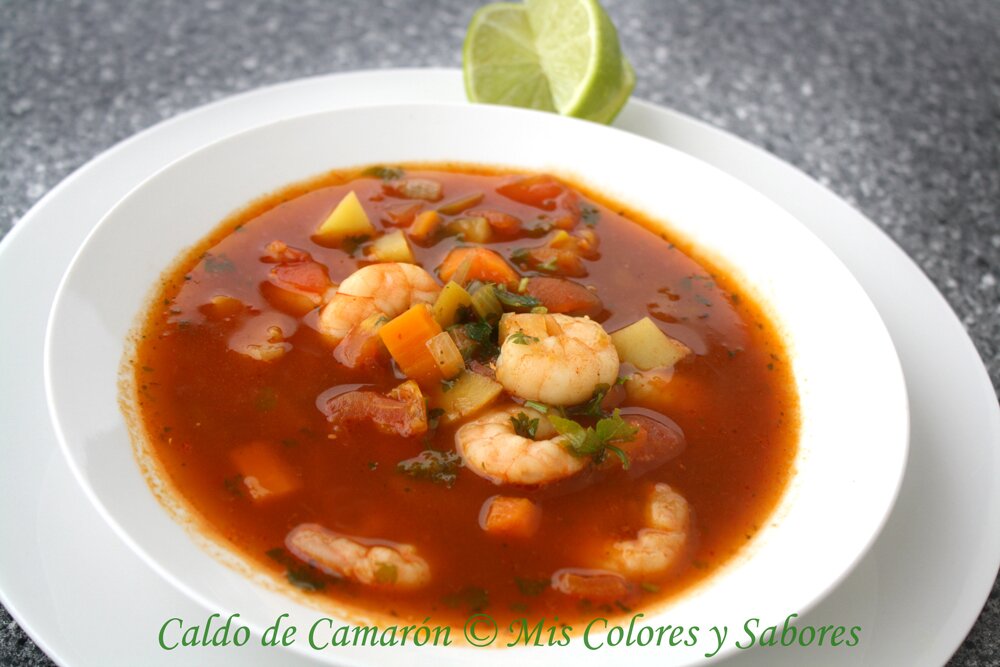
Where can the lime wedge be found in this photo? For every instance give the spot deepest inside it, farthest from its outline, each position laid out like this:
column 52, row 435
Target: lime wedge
column 553, row 55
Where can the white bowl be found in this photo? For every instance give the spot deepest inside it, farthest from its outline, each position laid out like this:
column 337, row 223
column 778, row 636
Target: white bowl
column 853, row 405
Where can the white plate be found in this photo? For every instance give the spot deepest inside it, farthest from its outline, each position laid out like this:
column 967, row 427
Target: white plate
column 74, row 586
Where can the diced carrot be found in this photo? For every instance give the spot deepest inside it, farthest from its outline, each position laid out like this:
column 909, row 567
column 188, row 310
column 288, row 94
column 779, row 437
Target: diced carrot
column 266, row 474
column 484, row 265
column 425, row 227
column 564, row 296
column 505, row 516
column 406, row 338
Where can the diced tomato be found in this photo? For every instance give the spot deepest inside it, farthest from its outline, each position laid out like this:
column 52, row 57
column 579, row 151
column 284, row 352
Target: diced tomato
column 402, row 413
column 402, row 215
column 539, row 191
column 361, row 348
column 565, row 296
column 656, row 443
column 297, row 272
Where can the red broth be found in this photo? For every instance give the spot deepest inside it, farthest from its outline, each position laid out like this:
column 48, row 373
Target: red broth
column 203, row 405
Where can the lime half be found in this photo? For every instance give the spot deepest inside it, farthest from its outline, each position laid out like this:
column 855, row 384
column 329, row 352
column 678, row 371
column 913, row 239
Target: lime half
column 554, row 55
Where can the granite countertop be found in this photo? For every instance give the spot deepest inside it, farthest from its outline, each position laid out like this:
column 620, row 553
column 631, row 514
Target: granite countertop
column 895, row 106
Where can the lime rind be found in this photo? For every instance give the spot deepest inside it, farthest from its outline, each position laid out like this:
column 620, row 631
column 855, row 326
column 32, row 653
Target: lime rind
column 553, row 55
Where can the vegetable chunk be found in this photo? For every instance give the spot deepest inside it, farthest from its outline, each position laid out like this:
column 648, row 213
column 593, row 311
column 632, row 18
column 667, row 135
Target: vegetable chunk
column 484, row 265
column 505, row 516
column 406, row 338
column 643, row 345
column 347, row 220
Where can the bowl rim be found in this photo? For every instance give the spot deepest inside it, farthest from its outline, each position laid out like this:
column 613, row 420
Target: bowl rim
column 82, row 478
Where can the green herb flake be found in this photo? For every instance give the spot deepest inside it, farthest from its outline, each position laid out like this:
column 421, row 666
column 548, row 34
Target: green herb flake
column 531, row 587
column 512, row 300
column 218, row 263
column 266, row 399
column 433, row 466
column 534, row 405
column 447, row 385
column 472, row 598
column 521, row 338
column 548, row 265
column 434, row 417
column 524, row 426
column 589, row 214
column 384, row 173
column 592, row 408
column 597, row 440
column 301, row 576
column 233, row 484
column 481, row 332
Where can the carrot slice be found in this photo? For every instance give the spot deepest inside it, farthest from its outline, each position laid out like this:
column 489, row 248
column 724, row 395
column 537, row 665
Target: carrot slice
column 484, row 265
column 266, row 474
column 406, row 339
column 505, row 516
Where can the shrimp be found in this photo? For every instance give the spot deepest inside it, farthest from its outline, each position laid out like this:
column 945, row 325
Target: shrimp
column 491, row 448
column 388, row 289
column 555, row 359
column 397, row 567
column 656, row 548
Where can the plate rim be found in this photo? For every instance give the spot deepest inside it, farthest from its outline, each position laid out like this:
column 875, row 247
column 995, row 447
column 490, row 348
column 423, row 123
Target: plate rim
column 786, row 170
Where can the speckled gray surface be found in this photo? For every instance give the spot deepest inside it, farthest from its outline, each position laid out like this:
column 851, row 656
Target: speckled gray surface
column 895, row 106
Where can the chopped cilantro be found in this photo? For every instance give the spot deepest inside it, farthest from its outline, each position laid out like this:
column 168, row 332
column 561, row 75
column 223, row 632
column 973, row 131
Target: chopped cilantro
column 298, row 574
column 434, row 417
column 266, row 399
column 548, row 265
column 589, row 214
column 521, row 338
column 595, row 441
column 592, row 408
column 513, row 300
column 520, row 255
column 531, row 587
column 524, row 426
column 541, row 407
column 384, row 173
column 473, row 598
column 218, row 263
column 431, row 465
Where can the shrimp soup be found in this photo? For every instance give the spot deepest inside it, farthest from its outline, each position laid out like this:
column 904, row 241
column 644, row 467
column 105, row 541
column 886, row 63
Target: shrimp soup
column 424, row 391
